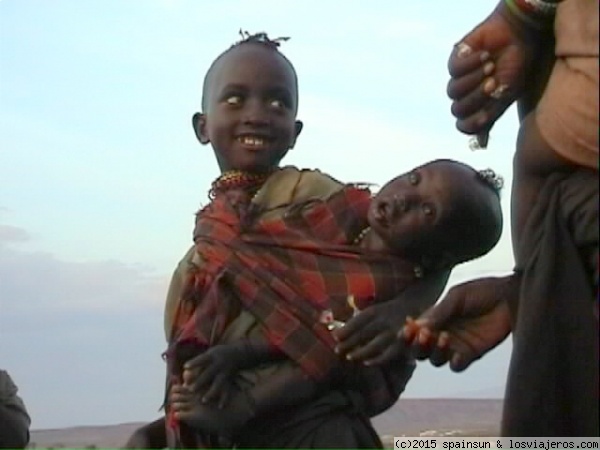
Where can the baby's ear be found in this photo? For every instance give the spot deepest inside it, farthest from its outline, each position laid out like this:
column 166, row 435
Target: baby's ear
column 199, row 124
column 443, row 261
column 448, row 260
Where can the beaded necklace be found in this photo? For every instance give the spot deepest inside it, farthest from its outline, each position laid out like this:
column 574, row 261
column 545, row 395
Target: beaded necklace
column 237, row 179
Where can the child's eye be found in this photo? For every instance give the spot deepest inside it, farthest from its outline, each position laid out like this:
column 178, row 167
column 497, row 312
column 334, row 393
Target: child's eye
column 414, row 178
column 277, row 103
column 428, row 209
column 234, row 100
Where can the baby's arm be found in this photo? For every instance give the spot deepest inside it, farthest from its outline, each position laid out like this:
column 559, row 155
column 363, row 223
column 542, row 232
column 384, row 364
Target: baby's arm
column 211, row 372
column 288, row 387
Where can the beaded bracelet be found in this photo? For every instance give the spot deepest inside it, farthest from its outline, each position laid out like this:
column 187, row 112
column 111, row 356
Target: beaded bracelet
column 535, row 13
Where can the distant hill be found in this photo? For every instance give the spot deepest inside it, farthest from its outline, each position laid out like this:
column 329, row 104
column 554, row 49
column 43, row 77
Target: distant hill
column 409, row 417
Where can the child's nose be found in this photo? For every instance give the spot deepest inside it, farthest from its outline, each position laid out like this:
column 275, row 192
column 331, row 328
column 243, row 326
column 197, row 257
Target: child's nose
column 255, row 114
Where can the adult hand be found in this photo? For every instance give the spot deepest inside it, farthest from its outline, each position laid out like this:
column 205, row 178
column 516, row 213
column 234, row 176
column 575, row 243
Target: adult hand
column 488, row 70
column 370, row 336
column 472, row 319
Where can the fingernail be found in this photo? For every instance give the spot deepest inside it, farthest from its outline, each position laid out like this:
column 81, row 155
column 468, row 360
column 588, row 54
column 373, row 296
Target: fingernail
column 349, row 357
column 336, row 350
column 482, row 119
column 489, row 85
column 488, row 68
column 443, row 339
column 484, row 56
column 463, row 50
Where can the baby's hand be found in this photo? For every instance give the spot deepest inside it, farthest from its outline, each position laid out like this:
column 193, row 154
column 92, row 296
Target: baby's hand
column 188, row 407
column 212, row 373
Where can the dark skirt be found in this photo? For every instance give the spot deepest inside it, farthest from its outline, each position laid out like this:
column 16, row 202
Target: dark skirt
column 552, row 387
column 335, row 420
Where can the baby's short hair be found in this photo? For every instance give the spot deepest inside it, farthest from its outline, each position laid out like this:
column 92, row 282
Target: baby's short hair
column 475, row 225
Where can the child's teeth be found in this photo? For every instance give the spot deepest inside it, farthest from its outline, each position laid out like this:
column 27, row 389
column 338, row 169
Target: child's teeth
column 252, row 141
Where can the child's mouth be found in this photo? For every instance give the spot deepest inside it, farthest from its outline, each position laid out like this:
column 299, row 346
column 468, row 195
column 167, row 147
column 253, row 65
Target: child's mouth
column 253, row 142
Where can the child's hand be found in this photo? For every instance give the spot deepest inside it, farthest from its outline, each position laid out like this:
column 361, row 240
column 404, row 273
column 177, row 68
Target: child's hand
column 211, row 373
column 188, row 408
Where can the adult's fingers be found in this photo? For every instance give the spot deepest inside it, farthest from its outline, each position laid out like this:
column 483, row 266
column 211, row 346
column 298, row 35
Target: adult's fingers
column 475, row 100
column 460, row 361
column 460, row 86
column 484, row 119
column 198, row 361
column 464, row 59
column 423, row 343
column 441, row 352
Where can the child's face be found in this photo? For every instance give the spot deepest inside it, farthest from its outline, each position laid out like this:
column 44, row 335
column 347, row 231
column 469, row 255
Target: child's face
column 407, row 210
column 251, row 110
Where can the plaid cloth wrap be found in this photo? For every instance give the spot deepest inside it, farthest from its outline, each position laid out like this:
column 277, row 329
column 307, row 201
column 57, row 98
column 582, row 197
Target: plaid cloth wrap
column 285, row 272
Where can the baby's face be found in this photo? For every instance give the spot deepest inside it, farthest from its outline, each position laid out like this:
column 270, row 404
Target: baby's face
column 408, row 209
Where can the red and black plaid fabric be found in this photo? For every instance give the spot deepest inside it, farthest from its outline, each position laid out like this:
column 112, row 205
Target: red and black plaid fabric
column 285, row 272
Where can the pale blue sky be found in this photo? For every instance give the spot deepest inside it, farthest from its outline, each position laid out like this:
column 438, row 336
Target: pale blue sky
column 100, row 173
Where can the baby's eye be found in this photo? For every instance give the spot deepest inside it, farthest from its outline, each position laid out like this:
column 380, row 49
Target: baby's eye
column 414, row 178
column 428, row 209
column 234, row 100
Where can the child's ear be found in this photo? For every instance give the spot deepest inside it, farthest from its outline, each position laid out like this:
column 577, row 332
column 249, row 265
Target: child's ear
column 199, row 124
column 297, row 130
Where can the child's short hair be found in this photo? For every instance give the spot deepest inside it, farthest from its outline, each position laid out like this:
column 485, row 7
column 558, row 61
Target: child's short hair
column 260, row 38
